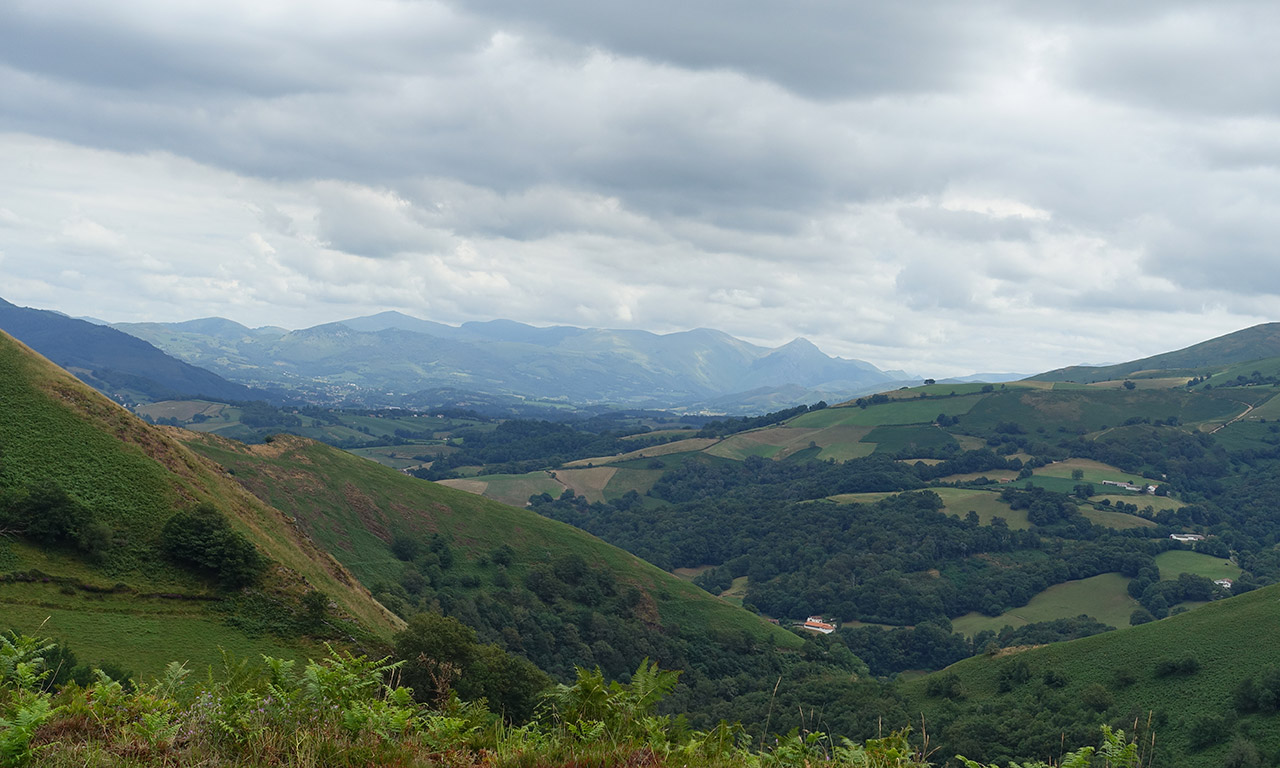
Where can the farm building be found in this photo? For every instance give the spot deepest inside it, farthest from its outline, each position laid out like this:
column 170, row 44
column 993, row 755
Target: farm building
column 816, row 624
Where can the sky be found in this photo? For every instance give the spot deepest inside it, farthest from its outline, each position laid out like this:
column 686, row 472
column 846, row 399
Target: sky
column 940, row 187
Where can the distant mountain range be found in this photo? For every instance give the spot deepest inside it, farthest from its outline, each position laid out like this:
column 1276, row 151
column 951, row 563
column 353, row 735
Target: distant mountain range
column 394, row 359
column 111, row 361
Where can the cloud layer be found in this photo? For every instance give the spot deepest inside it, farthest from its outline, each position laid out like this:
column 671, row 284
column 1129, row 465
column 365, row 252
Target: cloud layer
column 927, row 186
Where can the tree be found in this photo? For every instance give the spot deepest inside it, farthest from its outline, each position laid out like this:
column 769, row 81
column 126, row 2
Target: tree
column 202, row 537
column 441, row 654
column 1140, row 616
column 1129, row 384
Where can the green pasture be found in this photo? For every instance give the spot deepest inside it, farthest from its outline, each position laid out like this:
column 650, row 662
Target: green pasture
column 689, row 574
column 744, row 445
column 897, row 439
column 402, row 456
column 690, row 445
column 587, row 482
column 736, row 591
column 960, row 501
column 862, row 498
column 1270, row 410
column 1157, row 503
column 659, row 463
column 839, row 442
column 896, row 412
column 182, row 410
column 1268, row 366
column 1093, row 409
column 1104, row 597
column 1165, row 382
column 624, row 480
column 516, row 489
column 1177, row 561
column 1250, row 434
column 1109, row 518
column 998, row 475
column 141, row 639
column 845, row 451
column 1094, row 472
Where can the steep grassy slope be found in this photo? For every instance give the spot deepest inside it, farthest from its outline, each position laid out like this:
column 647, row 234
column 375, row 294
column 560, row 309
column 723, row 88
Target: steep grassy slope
column 131, row 478
column 1054, row 694
column 356, row 509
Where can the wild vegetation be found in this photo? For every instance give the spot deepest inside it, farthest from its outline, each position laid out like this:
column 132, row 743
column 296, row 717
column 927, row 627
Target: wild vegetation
column 960, row 527
column 346, row 710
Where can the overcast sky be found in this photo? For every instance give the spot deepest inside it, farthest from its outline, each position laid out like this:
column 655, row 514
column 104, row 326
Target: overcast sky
column 945, row 188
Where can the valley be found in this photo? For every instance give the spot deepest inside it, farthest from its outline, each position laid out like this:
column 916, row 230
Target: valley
column 944, row 529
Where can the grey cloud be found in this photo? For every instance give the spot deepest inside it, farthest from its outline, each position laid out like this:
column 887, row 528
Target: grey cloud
column 822, row 49
column 156, row 47
column 966, row 225
column 1207, row 59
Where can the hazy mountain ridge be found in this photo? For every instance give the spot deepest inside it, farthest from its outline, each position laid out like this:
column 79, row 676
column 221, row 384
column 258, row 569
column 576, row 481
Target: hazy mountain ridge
column 113, row 361
column 391, row 352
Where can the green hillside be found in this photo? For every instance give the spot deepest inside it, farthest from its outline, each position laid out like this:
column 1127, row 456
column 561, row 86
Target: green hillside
column 1254, row 343
column 1180, row 675
column 359, row 510
column 87, row 488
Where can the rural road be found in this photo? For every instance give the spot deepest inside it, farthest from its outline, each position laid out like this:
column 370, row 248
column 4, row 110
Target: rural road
column 1247, row 409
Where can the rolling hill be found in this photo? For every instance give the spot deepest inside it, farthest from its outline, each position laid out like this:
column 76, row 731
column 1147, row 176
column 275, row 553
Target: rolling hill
column 1254, row 343
column 358, row 510
column 1178, row 679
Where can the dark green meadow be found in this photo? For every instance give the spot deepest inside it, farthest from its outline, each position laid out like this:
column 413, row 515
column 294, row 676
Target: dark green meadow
column 1031, row 702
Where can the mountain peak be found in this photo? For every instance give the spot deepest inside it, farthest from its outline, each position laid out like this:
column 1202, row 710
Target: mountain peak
column 399, row 321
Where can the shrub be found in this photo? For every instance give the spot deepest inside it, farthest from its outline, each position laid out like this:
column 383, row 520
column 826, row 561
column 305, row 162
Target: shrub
column 946, row 686
column 1186, row 664
column 202, row 538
